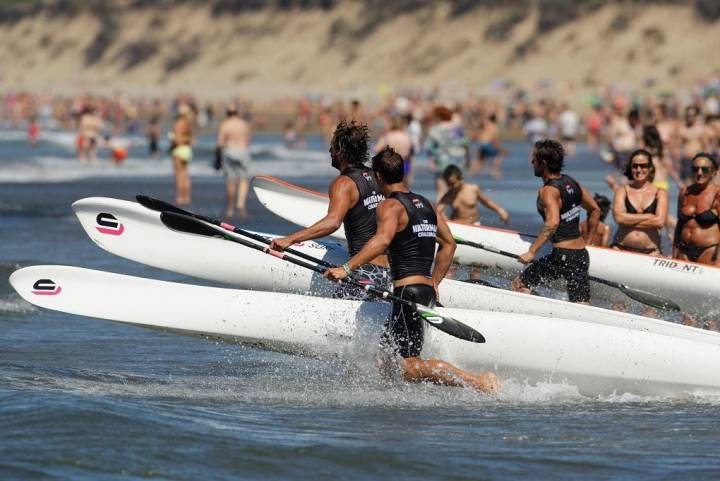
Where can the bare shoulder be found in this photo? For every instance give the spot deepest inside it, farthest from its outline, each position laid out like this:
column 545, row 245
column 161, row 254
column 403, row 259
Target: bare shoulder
column 474, row 188
column 549, row 191
column 389, row 205
column 341, row 185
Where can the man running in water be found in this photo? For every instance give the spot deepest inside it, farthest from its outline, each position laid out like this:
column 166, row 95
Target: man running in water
column 463, row 199
column 407, row 229
column 559, row 202
column 354, row 197
column 234, row 141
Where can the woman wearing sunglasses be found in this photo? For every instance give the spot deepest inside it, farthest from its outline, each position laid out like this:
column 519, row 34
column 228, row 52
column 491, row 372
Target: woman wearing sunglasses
column 697, row 234
column 639, row 208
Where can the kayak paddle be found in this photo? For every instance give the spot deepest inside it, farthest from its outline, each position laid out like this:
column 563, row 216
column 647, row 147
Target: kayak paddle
column 647, row 298
column 453, row 327
column 162, row 206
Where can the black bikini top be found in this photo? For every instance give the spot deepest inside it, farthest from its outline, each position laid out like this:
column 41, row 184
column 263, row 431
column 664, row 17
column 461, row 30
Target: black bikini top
column 704, row 219
column 647, row 210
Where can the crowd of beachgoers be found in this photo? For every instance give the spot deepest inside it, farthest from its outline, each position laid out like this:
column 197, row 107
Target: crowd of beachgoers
column 650, row 140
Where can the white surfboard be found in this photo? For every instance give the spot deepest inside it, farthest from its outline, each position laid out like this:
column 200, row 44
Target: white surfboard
column 694, row 287
column 129, row 230
column 598, row 359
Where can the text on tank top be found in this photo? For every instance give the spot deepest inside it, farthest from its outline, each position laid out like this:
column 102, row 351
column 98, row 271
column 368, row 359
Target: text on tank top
column 412, row 250
column 360, row 221
column 570, row 208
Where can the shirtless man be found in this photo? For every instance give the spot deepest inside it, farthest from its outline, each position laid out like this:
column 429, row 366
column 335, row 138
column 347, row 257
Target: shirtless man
column 463, row 199
column 622, row 140
column 712, row 134
column 90, row 128
column 667, row 126
column 234, row 141
column 490, row 147
column 569, row 126
column 691, row 136
column 399, row 140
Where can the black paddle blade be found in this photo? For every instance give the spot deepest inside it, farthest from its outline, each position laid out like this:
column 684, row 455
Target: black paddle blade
column 650, row 299
column 184, row 223
column 452, row 327
column 158, row 205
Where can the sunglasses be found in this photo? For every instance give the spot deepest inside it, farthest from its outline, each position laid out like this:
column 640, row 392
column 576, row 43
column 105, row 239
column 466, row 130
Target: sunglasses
column 704, row 169
column 640, row 166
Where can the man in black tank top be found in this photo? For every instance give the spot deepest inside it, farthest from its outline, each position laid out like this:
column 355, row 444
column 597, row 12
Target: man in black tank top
column 354, row 197
column 560, row 201
column 408, row 228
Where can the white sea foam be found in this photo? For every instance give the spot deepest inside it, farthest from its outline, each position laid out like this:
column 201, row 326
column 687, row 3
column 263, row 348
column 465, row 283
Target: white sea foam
column 16, row 305
column 60, row 169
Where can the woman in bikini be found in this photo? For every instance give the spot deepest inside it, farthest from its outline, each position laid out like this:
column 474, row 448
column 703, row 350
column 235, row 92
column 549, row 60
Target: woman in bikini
column 697, row 234
column 639, row 208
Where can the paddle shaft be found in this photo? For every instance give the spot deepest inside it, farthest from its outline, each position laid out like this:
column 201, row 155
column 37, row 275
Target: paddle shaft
column 640, row 296
column 446, row 324
column 162, row 206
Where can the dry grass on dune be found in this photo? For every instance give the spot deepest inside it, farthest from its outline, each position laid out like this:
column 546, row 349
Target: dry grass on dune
column 355, row 47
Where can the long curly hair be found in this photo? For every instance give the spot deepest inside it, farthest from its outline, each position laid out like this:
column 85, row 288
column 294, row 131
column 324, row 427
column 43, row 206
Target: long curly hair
column 350, row 142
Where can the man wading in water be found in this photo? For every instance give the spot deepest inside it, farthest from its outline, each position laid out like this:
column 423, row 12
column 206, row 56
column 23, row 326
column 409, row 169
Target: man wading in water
column 407, row 229
column 354, row 197
column 559, row 202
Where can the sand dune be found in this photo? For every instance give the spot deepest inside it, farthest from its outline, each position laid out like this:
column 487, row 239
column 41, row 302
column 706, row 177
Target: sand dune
column 354, row 48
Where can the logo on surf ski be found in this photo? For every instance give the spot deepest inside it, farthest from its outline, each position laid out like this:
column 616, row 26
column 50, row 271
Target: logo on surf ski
column 108, row 224
column 432, row 319
column 46, row 287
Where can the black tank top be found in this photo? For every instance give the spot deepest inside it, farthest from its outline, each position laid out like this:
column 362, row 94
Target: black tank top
column 570, row 207
column 360, row 222
column 412, row 250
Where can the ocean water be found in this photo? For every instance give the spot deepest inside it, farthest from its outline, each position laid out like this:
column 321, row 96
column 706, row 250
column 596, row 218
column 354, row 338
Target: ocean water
column 88, row 399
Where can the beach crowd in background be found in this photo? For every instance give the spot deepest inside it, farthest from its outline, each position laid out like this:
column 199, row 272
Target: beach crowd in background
column 674, row 136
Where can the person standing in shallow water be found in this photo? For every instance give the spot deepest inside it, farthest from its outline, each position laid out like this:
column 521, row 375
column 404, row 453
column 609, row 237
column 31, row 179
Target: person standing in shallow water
column 399, row 140
column 234, row 141
column 181, row 152
column 639, row 208
column 559, row 202
column 408, row 229
column 697, row 234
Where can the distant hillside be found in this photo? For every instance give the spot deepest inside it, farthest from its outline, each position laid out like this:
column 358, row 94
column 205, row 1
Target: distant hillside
column 286, row 47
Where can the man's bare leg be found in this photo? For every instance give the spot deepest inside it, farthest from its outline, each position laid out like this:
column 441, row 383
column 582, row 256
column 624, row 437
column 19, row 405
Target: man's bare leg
column 441, row 372
column 243, row 186
column 231, row 192
column 177, row 164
